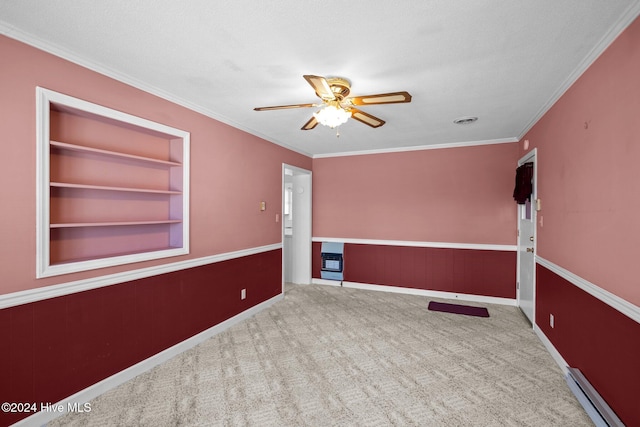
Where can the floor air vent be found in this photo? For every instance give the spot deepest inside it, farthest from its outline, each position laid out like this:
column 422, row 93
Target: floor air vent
column 601, row 414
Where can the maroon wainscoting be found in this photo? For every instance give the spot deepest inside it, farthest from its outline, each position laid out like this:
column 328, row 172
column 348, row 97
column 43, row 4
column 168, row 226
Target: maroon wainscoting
column 59, row 346
column 467, row 271
column 593, row 337
column 316, row 259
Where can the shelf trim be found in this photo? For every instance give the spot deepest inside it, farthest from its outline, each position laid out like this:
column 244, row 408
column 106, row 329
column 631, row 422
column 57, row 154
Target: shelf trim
column 112, row 223
column 81, row 148
column 109, row 188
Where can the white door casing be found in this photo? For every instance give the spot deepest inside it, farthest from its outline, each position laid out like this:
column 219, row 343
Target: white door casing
column 297, row 245
column 527, row 246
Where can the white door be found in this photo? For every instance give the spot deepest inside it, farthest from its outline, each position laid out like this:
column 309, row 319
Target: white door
column 526, row 247
column 297, row 227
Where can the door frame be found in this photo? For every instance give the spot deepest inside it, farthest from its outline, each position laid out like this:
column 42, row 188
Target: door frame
column 530, row 156
column 302, row 225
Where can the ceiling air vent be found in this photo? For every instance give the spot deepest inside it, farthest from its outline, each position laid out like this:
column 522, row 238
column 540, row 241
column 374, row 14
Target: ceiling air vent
column 465, row 120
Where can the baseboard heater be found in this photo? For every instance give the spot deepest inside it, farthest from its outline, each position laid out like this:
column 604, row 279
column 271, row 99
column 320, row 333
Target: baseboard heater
column 595, row 406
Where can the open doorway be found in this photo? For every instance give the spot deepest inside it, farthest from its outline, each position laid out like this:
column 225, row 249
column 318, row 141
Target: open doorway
column 296, row 225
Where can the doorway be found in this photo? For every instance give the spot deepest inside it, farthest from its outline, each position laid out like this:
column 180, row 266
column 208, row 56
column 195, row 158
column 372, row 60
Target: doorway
column 527, row 245
column 296, row 225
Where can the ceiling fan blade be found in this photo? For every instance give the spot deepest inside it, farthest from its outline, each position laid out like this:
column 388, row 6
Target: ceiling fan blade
column 366, row 118
column 284, row 107
column 321, row 86
column 383, row 98
column 310, row 124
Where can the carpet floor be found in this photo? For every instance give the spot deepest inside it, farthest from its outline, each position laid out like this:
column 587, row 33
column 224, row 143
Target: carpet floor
column 332, row 356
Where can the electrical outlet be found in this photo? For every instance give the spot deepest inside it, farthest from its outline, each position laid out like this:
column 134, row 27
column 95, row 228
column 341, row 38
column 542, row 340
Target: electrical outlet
column 551, row 321
column 243, row 294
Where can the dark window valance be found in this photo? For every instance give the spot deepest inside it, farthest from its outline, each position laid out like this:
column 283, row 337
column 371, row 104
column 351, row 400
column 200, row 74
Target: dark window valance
column 524, row 183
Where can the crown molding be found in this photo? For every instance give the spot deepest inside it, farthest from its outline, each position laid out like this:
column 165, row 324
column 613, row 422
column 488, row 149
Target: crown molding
column 105, row 70
column 625, row 20
column 418, row 148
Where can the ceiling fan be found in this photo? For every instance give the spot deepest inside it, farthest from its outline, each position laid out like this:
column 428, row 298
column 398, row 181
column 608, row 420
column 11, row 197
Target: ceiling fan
column 337, row 106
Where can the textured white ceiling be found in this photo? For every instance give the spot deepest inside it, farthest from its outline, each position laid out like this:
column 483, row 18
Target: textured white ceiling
column 503, row 61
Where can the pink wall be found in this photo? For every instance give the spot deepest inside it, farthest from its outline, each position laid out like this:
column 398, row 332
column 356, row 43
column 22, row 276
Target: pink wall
column 231, row 171
column 459, row 195
column 588, row 158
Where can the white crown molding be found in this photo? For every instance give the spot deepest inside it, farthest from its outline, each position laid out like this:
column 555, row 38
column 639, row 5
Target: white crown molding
column 42, row 417
column 418, row 148
column 63, row 53
column 432, row 294
column 38, row 294
column 444, row 245
column 623, row 306
column 625, row 20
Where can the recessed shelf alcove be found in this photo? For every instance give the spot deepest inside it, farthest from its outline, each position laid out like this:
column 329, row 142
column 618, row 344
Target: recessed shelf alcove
column 113, row 188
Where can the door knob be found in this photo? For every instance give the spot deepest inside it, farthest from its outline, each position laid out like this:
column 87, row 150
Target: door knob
column 530, row 250
column 531, row 238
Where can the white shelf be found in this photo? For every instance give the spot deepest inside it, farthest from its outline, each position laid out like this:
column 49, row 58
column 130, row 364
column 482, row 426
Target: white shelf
column 83, row 149
column 113, row 223
column 109, row 188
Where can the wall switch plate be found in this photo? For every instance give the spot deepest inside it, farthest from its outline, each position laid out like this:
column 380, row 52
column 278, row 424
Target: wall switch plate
column 243, row 294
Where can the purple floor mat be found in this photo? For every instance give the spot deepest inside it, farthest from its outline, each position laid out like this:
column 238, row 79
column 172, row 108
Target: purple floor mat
column 467, row 310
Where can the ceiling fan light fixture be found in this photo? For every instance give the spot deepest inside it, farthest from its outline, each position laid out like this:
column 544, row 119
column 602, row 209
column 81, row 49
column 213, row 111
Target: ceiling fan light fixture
column 332, row 115
column 337, row 106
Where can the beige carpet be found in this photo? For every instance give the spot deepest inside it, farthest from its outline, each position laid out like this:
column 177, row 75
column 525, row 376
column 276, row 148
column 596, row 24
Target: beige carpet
column 329, row 356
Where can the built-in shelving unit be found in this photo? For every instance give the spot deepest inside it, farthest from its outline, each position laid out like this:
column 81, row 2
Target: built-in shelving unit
column 112, row 188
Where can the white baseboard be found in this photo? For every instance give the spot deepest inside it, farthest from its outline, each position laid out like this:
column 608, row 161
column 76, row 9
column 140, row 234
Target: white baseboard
column 552, row 350
column 326, row 282
column 95, row 390
column 433, row 294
